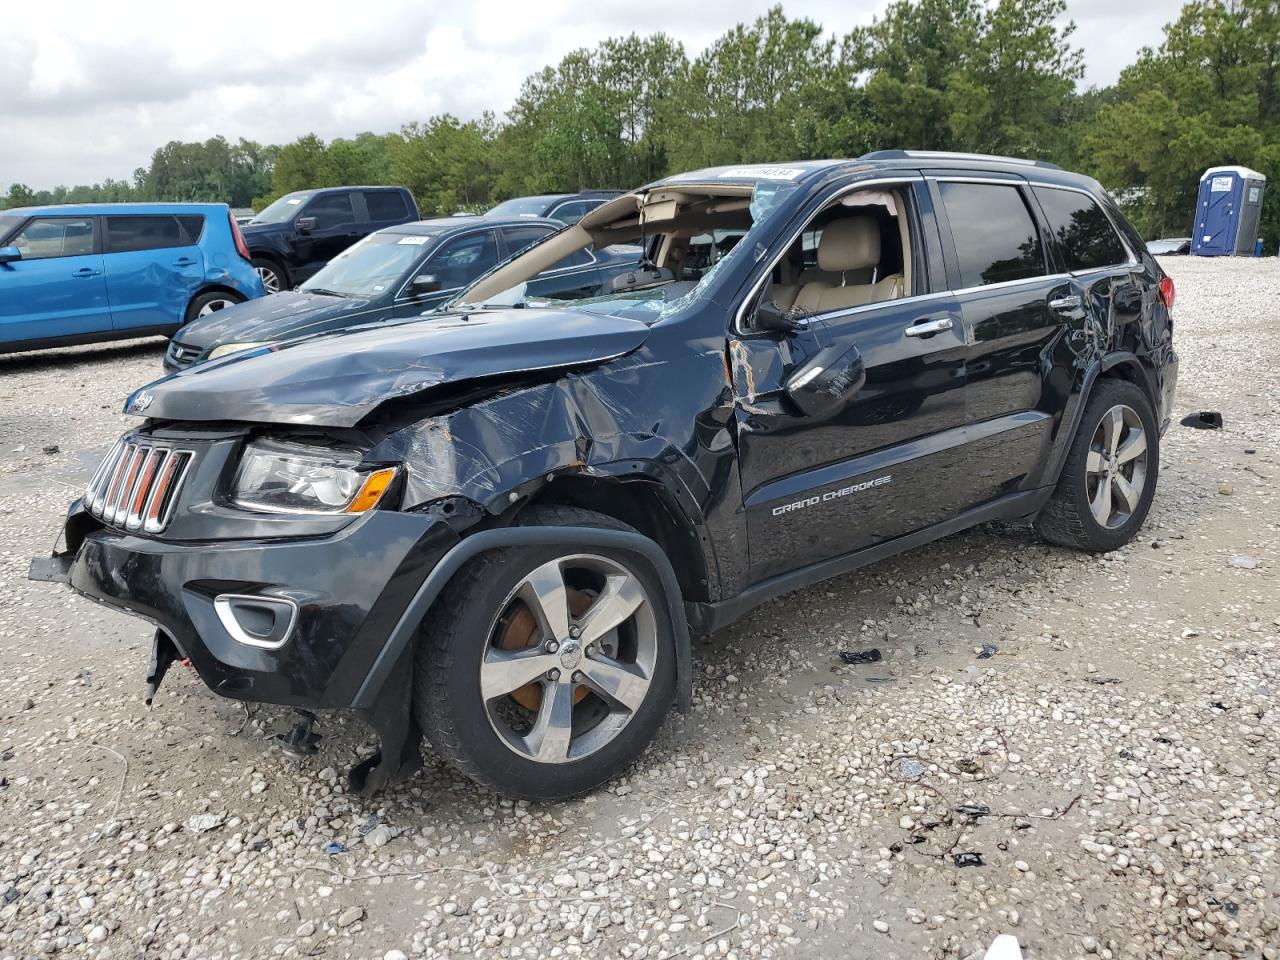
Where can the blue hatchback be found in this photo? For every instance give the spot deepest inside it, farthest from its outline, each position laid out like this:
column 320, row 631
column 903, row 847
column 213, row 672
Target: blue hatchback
column 89, row 272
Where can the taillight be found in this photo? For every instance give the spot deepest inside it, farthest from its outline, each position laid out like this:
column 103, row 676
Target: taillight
column 1167, row 292
column 242, row 248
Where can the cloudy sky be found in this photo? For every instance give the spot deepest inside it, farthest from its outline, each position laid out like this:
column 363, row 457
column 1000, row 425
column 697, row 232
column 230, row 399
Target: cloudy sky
column 88, row 90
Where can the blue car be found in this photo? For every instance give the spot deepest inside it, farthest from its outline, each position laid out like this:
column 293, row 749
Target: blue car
column 89, row 272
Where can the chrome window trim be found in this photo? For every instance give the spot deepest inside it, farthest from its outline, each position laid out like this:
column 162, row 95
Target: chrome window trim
column 1133, row 257
column 940, row 294
column 1020, row 282
column 835, row 194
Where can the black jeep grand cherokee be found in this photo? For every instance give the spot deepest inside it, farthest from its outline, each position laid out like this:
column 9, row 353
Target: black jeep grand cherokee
column 499, row 527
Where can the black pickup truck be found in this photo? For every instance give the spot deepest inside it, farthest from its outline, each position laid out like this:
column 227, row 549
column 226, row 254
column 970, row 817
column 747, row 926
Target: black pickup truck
column 295, row 236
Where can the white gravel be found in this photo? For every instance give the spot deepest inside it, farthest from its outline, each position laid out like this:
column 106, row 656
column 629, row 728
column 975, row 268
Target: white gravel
column 1117, row 754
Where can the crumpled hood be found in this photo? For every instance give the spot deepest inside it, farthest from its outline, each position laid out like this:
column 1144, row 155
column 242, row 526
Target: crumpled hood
column 337, row 379
column 278, row 316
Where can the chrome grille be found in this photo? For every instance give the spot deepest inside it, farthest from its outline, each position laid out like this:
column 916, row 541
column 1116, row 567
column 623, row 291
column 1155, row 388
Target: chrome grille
column 137, row 485
column 182, row 355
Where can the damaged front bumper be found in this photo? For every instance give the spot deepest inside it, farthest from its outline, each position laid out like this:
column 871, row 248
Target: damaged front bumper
column 297, row 622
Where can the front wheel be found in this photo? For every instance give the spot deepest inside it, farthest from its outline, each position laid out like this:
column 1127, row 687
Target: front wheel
column 542, row 672
column 1109, row 479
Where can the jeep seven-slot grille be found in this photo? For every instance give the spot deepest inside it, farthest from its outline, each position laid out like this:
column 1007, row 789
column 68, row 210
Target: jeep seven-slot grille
column 137, row 485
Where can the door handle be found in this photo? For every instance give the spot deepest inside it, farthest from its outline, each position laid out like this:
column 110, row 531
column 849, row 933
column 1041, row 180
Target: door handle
column 927, row 328
column 86, row 272
column 1067, row 303
column 184, row 262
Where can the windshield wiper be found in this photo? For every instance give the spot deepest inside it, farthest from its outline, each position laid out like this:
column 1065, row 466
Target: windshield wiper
column 326, row 293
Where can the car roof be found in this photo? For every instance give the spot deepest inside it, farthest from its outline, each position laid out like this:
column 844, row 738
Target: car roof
column 99, row 209
column 436, row 226
column 881, row 161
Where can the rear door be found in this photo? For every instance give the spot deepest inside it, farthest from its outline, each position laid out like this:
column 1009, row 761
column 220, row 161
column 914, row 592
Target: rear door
column 154, row 268
column 1016, row 303
column 573, row 278
column 1109, row 300
column 384, row 208
column 58, row 288
column 890, row 461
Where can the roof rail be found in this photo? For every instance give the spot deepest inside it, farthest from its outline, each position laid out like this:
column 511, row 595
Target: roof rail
column 948, row 155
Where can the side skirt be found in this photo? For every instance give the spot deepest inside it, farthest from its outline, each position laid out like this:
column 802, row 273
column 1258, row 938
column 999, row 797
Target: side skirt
column 706, row 618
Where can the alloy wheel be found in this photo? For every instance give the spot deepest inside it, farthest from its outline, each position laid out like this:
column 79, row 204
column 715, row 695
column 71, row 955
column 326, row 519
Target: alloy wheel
column 569, row 659
column 270, row 279
column 213, row 306
column 1116, row 468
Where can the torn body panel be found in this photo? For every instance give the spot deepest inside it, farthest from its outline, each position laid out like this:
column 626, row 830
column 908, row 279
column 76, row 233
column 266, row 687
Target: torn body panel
column 625, row 418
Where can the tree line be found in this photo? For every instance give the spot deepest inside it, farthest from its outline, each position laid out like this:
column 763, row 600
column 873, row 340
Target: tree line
column 1001, row 77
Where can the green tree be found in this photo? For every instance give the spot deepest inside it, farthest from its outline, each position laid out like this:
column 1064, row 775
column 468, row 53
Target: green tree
column 1014, row 92
column 770, row 91
column 912, row 58
column 364, row 159
column 1206, row 97
column 597, row 119
column 297, row 167
column 19, row 195
column 446, row 164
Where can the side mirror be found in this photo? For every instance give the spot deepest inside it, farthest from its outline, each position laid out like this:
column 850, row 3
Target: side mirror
column 10, row 254
column 305, row 224
column 423, row 284
column 769, row 316
column 822, row 386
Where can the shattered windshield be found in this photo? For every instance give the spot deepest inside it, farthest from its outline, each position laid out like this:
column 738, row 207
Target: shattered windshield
column 686, row 243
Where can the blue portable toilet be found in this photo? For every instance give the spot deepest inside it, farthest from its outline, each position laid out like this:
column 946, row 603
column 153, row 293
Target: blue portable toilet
column 1227, row 212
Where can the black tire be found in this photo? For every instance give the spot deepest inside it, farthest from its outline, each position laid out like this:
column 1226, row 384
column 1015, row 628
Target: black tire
column 210, row 298
column 267, row 266
column 1068, row 518
column 458, row 631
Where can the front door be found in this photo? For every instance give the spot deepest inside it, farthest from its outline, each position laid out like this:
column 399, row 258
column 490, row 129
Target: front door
column 889, row 461
column 58, row 288
column 333, row 230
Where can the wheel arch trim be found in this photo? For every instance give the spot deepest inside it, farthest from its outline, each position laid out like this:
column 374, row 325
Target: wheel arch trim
column 1101, row 366
column 402, row 636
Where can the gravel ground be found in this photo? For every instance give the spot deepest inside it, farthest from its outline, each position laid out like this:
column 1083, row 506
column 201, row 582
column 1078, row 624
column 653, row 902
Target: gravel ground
column 1113, row 762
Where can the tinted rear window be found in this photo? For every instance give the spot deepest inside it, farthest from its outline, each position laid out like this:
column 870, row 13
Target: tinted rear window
column 996, row 239
column 386, row 205
column 129, row 233
column 1085, row 234
column 520, row 237
column 192, row 226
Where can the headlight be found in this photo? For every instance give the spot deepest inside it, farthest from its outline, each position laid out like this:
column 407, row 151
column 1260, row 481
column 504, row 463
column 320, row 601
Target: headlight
column 223, row 349
column 290, row 478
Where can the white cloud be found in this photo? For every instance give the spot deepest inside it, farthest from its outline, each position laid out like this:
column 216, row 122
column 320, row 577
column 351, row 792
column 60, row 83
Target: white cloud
column 89, row 91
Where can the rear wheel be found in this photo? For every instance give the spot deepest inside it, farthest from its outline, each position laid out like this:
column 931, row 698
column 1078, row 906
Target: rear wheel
column 205, row 304
column 542, row 672
column 1109, row 479
column 272, row 275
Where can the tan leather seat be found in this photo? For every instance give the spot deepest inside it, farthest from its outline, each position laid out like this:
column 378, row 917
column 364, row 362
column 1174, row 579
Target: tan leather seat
column 847, row 246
